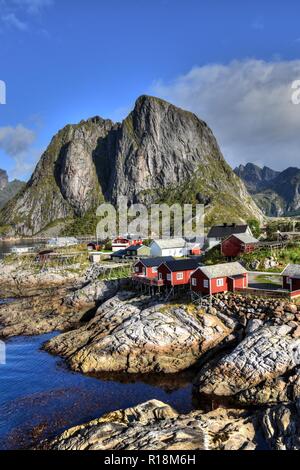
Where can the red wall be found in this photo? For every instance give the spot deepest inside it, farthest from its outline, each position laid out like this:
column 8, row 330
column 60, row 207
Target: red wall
column 234, row 247
column 295, row 284
column 239, row 283
column 174, row 282
column 149, row 273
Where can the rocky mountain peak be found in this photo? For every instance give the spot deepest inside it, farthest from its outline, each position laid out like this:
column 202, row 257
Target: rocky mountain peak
column 158, row 153
column 3, row 179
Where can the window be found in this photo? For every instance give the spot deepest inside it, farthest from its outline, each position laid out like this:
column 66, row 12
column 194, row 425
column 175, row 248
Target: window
column 137, row 269
column 205, row 284
column 220, row 282
column 169, row 277
column 179, row 276
column 154, row 270
column 160, row 276
column 194, row 281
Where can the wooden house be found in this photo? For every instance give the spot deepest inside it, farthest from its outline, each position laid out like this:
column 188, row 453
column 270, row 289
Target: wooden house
column 291, row 277
column 136, row 251
column 218, row 233
column 237, row 244
column 177, row 272
column 168, row 247
column 147, row 267
column 208, row 280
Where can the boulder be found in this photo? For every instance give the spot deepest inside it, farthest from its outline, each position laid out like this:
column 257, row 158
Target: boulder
column 129, row 335
column 267, row 353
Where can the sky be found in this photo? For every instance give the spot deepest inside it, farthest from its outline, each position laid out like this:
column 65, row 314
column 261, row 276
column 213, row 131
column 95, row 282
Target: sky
column 230, row 62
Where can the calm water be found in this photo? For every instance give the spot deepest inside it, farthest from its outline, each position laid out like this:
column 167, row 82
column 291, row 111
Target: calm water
column 40, row 397
column 5, row 247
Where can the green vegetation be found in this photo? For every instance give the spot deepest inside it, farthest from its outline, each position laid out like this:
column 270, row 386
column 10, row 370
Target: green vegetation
column 255, row 227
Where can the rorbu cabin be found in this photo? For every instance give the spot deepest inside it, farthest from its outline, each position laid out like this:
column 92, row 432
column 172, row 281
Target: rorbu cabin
column 177, row 272
column 147, row 268
column 291, row 277
column 122, row 243
column 209, row 280
column 218, row 233
column 238, row 244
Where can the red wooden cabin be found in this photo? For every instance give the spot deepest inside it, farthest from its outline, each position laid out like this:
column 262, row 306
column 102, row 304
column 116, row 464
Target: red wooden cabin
column 209, row 280
column 291, row 277
column 177, row 272
column 148, row 267
column 237, row 244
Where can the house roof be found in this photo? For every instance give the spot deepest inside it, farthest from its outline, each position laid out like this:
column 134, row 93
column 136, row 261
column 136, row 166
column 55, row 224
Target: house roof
column 135, row 247
column 222, row 270
column 170, row 243
column 119, row 253
column 292, row 270
column 245, row 238
column 225, row 230
column 154, row 262
column 182, row 265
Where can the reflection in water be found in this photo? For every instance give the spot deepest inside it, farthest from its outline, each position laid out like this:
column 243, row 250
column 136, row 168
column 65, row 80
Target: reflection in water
column 40, row 397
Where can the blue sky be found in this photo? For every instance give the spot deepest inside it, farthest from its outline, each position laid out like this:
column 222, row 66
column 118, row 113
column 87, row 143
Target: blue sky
column 231, row 63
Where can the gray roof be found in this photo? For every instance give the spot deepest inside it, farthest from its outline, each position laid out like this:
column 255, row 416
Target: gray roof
column 245, row 238
column 292, row 270
column 221, row 270
column 170, row 243
column 225, row 230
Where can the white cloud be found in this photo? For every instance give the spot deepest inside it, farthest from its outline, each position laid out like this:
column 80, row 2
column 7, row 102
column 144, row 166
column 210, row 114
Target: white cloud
column 33, row 6
column 19, row 13
column 12, row 20
column 248, row 106
column 16, row 143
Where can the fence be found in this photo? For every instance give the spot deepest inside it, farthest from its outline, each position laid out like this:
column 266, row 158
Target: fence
column 273, row 294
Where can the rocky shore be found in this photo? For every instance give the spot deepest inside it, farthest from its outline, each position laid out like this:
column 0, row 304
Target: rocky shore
column 244, row 355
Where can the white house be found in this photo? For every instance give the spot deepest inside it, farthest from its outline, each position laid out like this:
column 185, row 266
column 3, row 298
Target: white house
column 168, row 247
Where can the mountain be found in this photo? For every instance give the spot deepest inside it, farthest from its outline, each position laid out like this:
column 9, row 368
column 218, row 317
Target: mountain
column 3, row 180
column 254, row 177
column 276, row 193
column 158, row 153
column 12, row 188
column 8, row 189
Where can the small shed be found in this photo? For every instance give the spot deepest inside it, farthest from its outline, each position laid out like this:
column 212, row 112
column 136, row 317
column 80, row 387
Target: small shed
column 136, row 251
column 291, row 277
column 218, row 278
column 237, row 244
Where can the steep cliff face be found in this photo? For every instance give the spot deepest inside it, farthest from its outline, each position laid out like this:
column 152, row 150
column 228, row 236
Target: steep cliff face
column 254, row 177
column 276, row 193
column 159, row 152
column 3, row 180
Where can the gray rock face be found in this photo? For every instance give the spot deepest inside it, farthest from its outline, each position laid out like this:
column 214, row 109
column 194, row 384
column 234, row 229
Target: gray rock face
column 158, row 152
column 156, row 426
column 127, row 336
column 267, row 353
column 281, row 426
column 276, row 193
column 3, row 180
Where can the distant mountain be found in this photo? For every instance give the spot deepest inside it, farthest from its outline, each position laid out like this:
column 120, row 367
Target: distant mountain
column 8, row 189
column 3, row 180
column 276, row 193
column 158, row 153
column 254, row 177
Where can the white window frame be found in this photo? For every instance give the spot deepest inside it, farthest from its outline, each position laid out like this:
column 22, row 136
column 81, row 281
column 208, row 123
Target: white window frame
column 220, row 282
column 194, row 281
column 206, row 283
column 137, row 269
column 169, row 277
column 179, row 276
column 154, row 270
